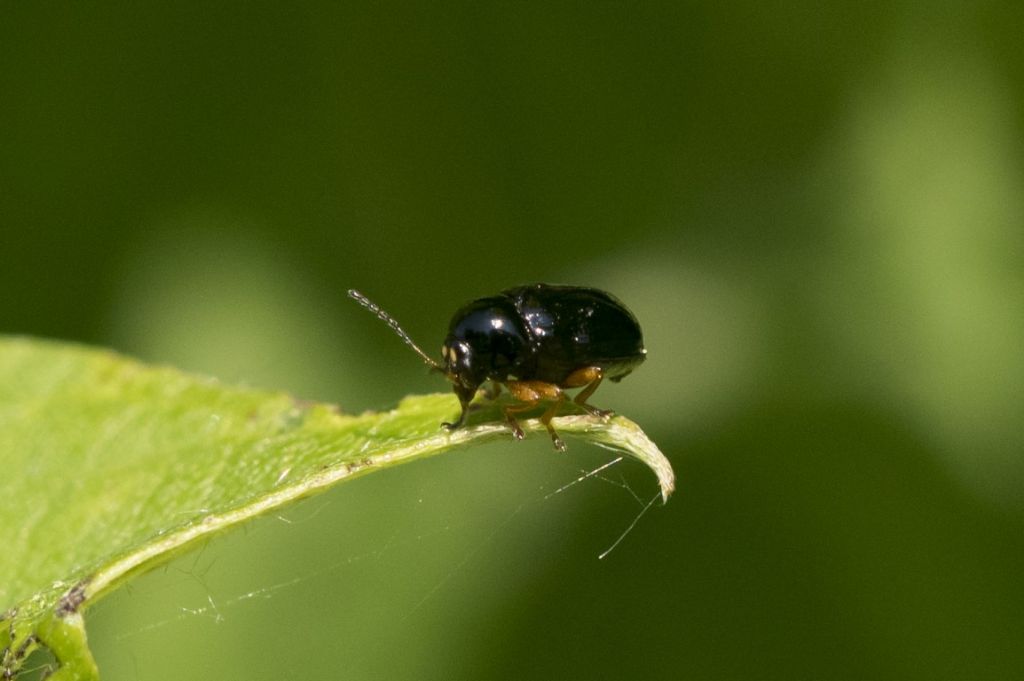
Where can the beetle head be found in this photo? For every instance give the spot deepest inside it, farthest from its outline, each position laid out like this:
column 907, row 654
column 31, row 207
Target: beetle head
column 458, row 362
column 486, row 341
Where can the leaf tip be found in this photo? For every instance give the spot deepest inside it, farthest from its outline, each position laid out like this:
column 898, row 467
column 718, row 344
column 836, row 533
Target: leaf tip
column 623, row 435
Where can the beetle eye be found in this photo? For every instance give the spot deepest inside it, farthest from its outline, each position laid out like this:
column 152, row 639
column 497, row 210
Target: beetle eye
column 449, row 355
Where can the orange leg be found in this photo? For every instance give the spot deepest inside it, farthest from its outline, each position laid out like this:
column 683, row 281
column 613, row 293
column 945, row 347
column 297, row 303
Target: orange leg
column 546, row 420
column 590, row 377
column 530, row 393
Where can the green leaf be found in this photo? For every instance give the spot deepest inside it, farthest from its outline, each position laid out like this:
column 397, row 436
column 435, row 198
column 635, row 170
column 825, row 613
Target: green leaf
column 109, row 467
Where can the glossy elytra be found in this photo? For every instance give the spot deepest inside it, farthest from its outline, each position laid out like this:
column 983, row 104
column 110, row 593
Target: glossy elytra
column 536, row 342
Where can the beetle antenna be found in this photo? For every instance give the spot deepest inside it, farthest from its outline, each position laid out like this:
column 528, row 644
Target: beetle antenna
column 390, row 321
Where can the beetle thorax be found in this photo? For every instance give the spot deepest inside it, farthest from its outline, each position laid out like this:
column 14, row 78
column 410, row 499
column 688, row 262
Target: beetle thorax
column 486, row 341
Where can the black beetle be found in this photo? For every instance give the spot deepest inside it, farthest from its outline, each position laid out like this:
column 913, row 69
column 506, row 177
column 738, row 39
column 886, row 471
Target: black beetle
column 536, row 341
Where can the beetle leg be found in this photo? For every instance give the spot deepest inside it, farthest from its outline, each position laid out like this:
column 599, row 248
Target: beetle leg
column 513, row 424
column 529, row 398
column 462, row 419
column 530, row 393
column 488, row 393
column 546, row 420
column 590, row 377
column 465, row 395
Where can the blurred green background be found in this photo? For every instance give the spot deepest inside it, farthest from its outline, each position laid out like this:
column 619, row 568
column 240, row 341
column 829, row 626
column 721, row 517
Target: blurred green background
column 815, row 210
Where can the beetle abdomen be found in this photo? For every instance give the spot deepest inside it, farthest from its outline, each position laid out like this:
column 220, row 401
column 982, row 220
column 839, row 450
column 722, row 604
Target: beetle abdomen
column 572, row 327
